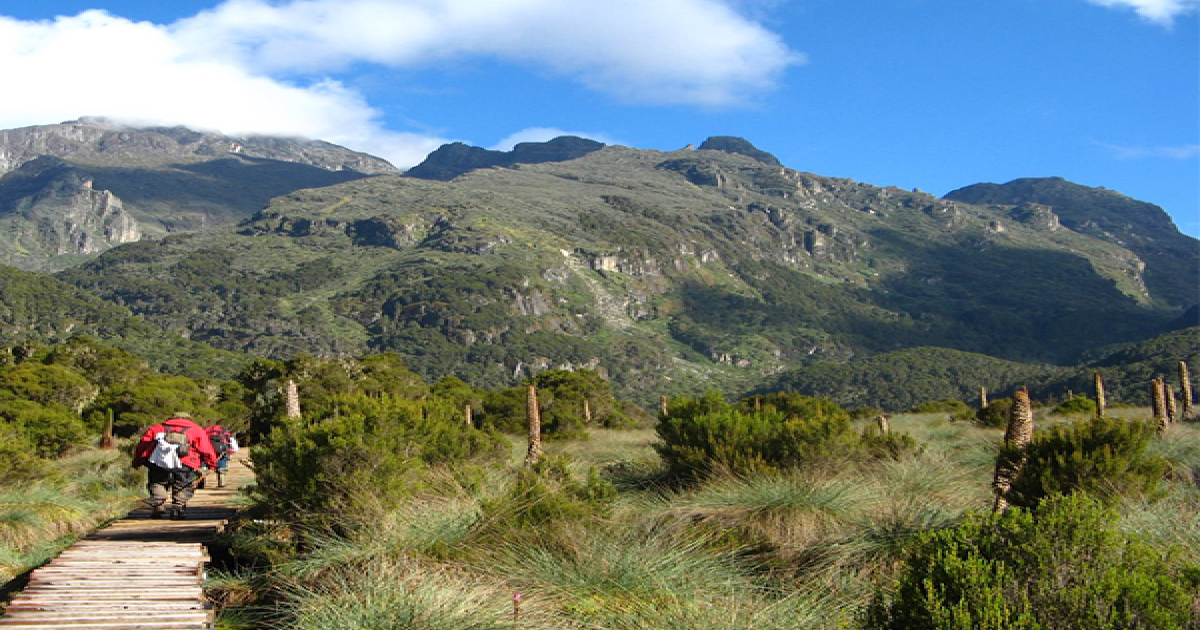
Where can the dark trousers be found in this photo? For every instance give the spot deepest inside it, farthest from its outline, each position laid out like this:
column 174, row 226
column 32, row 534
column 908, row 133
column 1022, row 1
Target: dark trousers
column 169, row 486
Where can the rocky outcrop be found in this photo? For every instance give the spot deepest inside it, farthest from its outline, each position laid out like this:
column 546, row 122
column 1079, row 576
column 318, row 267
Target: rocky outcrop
column 50, row 208
column 741, row 146
column 451, row 160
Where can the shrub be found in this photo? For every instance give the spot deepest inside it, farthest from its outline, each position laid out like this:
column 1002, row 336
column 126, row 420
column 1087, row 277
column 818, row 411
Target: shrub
column 703, row 435
column 1102, row 456
column 52, row 429
column 545, row 496
column 367, row 451
column 1076, row 405
column 1066, row 567
column 996, row 413
column 950, row 406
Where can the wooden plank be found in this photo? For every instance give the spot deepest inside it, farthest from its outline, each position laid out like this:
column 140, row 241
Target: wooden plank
column 137, row 573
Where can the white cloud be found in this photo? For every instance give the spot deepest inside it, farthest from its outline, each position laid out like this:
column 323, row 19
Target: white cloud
column 666, row 51
column 542, row 134
column 96, row 64
column 1160, row 11
column 251, row 66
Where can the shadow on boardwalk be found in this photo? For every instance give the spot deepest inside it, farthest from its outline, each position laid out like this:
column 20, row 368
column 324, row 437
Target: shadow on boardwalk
column 136, row 572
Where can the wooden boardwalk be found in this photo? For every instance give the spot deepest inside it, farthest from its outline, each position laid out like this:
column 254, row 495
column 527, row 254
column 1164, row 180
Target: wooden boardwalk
column 137, row 572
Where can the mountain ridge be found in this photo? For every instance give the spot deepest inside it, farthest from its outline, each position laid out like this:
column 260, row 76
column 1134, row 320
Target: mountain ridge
column 668, row 271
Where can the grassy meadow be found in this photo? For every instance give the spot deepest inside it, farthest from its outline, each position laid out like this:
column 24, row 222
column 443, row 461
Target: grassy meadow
column 599, row 538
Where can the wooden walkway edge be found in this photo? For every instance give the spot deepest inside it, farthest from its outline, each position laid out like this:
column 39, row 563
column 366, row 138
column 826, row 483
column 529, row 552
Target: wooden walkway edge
column 137, row 572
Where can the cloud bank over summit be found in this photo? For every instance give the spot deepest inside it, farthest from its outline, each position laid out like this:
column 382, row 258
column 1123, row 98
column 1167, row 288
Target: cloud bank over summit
column 249, row 66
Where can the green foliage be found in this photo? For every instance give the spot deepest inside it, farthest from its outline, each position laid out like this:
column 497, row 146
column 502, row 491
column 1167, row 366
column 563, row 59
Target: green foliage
column 146, row 402
column 950, row 406
column 366, row 454
column 1074, row 406
column 996, row 413
column 52, row 429
column 1065, row 567
column 562, row 395
column 1103, row 457
column 701, row 436
column 907, row 378
column 546, row 496
column 45, row 384
column 18, row 458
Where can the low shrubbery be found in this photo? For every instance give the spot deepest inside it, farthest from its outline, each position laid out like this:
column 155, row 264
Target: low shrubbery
column 1065, row 566
column 766, row 433
column 366, row 452
column 1102, row 456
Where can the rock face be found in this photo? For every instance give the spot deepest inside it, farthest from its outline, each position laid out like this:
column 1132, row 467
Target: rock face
column 1171, row 258
column 98, row 142
column 451, row 160
column 68, row 214
column 741, row 146
column 78, row 188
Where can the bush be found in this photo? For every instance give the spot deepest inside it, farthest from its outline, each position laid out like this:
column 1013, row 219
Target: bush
column 996, row 413
column 703, row 435
column 545, row 496
column 1076, row 405
column 1065, row 567
column 52, row 429
column 1102, row 456
column 366, row 453
column 950, row 406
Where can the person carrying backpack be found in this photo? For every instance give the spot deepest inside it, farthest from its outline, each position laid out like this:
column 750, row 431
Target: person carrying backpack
column 173, row 452
column 224, row 445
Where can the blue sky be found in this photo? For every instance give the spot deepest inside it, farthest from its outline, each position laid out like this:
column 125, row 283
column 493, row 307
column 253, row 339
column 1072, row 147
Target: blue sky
column 929, row 94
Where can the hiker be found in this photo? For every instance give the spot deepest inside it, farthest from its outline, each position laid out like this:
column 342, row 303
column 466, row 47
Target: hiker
column 224, row 445
column 173, row 452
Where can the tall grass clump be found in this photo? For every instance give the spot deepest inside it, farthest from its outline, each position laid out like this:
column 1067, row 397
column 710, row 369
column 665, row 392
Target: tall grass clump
column 1064, row 566
column 661, row 578
column 384, row 594
column 39, row 516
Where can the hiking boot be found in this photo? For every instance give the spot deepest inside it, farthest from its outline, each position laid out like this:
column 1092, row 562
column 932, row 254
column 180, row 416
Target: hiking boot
column 177, row 514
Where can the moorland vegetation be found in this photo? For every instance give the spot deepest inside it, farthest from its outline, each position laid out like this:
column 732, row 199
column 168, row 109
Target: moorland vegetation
column 391, row 501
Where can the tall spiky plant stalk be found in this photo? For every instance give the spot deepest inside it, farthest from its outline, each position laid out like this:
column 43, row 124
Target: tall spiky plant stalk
column 883, row 424
column 662, row 406
column 468, row 415
column 983, row 398
column 587, row 411
column 1158, row 397
column 534, row 454
column 106, row 440
column 1016, row 438
column 291, row 399
column 1185, row 390
column 1169, row 399
column 1101, row 401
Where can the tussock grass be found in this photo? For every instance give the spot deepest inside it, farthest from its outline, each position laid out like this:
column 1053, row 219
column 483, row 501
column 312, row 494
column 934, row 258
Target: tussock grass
column 383, row 594
column 39, row 518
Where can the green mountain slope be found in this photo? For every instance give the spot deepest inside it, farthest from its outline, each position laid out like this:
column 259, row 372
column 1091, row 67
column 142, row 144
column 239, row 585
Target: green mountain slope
column 668, row 271
column 36, row 308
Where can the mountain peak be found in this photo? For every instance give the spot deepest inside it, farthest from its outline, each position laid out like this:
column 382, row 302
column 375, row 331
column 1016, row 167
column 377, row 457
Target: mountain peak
column 454, row 159
column 741, row 146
